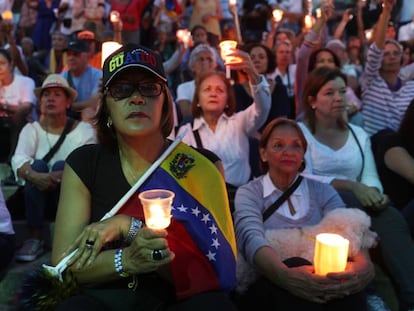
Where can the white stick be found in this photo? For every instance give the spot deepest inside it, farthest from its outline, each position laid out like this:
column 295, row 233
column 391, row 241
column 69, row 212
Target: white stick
column 228, row 72
column 62, row 265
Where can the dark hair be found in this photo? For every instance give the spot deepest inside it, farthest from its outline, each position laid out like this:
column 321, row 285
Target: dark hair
column 106, row 135
column 271, row 56
column 197, row 27
column 7, row 55
column 231, row 98
column 315, row 81
column 267, row 132
column 314, row 56
column 406, row 129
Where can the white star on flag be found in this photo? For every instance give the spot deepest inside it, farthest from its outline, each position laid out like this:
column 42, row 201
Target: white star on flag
column 213, row 229
column 195, row 211
column 206, row 218
column 216, row 243
column 182, row 209
column 211, row 256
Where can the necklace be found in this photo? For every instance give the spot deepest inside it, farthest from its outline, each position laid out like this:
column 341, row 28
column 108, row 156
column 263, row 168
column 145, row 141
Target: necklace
column 128, row 167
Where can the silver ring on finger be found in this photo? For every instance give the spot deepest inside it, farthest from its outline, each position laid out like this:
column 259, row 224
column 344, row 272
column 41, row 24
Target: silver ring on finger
column 157, row 255
column 89, row 244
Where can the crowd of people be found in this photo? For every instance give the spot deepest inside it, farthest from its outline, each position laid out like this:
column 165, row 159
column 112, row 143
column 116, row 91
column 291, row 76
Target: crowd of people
column 314, row 113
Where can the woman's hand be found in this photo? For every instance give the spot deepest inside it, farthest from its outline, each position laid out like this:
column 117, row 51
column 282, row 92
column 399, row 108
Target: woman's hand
column 358, row 274
column 327, row 10
column 97, row 235
column 370, row 197
column 44, row 181
column 246, row 65
column 138, row 257
column 303, row 282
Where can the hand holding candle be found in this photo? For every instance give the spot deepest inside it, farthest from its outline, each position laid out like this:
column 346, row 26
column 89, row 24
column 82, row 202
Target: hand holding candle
column 227, row 47
column 184, row 36
column 331, row 253
column 157, row 207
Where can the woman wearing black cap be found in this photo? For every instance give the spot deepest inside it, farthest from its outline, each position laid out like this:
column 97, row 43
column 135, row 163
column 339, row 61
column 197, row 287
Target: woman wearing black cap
column 121, row 264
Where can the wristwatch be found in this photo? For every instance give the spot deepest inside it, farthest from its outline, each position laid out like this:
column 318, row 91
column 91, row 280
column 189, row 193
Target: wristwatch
column 136, row 224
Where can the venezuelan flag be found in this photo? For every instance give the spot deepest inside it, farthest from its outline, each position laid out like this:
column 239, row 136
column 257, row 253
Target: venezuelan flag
column 201, row 232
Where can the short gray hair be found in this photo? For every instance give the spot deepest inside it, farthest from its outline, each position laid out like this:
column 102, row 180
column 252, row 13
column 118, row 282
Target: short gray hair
column 198, row 49
column 395, row 42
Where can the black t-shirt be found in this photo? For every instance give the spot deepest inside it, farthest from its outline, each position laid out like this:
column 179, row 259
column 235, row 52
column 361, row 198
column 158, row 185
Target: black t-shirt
column 398, row 188
column 100, row 170
column 281, row 105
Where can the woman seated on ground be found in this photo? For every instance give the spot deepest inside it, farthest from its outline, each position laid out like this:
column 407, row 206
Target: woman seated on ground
column 340, row 154
column 218, row 128
column 121, row 265
column 394, row 157
column 291, row 284
column 39, row 159
column 310, row 57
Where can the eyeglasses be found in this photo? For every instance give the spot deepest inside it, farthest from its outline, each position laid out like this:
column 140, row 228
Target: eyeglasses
column 394, row 53
column 123, row 90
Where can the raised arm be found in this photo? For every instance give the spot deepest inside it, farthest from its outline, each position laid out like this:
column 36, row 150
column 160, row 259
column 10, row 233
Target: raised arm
column 381, row 27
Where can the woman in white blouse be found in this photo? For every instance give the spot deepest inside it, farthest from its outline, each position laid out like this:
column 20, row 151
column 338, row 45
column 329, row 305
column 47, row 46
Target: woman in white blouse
column 340, row 154
column 220, row 129
column 39, row 175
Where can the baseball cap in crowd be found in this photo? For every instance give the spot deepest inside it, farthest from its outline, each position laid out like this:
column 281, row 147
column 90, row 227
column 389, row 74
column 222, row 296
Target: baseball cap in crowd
column 55, row 80
column 132, row 56
column 86, row 35
column 78, row 46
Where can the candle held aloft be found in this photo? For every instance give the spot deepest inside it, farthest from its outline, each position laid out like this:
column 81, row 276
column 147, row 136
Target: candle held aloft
column 7, row 16
column 277, row 15
column 114, row 16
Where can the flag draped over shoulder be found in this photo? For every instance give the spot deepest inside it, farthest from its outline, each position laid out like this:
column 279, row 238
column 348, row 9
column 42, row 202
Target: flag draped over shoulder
column 201, row 232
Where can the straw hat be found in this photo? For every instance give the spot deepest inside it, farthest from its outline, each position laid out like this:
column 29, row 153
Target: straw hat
column 55, row 80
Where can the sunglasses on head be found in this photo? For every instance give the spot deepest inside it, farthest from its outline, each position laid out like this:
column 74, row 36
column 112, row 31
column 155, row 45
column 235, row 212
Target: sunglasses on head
column 124, row 90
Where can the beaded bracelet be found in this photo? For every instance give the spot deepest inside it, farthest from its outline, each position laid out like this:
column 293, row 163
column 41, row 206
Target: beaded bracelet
column 118, row 263
column 136, row 224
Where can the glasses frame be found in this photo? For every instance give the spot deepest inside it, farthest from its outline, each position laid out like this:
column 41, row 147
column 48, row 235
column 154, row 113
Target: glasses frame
column 135, row 89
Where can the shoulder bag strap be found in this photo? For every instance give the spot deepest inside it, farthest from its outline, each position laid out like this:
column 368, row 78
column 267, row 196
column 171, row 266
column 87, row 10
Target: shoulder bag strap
column 197, row 137
column 360, row 150
column 272, row 208
column 66, row 130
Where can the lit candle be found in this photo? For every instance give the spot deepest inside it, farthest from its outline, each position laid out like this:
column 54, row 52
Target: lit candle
column 308, row 21
column 277, row 15
column 184, row 36
column 157, row 207
column 108, row 48
column 7, row 16
column 227, row 47
column 331, row 253
column 232, row 2
column 368, row 34
column 114, row 16
column 318, row 13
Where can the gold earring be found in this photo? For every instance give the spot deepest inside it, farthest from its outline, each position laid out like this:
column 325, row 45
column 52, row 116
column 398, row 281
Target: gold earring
column 109, row 122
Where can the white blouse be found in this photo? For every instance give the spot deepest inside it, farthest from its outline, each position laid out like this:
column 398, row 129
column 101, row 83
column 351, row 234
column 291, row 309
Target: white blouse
column 326, row 164
column 34, row 143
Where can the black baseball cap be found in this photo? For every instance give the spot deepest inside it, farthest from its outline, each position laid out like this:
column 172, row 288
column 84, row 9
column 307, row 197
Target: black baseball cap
column 78, row 45
column 132, row 56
